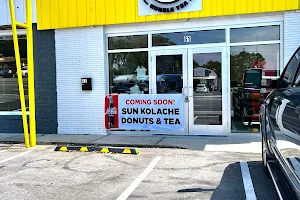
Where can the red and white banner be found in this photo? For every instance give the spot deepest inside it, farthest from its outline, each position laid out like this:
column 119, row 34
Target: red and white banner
column 144, row 112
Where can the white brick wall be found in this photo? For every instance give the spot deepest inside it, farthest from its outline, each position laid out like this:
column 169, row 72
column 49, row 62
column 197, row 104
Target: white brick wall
column 291, row 34
column 80, row 54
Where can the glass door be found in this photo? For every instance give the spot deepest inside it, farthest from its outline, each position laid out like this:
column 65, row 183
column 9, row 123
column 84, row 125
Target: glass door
column 208, row 91
column 168, row 76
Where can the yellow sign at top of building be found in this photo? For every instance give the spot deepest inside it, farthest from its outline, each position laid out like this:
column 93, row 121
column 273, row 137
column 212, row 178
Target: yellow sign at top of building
column 54, row 14
column 152, row 7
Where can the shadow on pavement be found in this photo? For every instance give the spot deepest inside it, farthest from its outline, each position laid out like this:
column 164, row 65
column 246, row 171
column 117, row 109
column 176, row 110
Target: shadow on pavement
column 231, row 186
column 196, row 190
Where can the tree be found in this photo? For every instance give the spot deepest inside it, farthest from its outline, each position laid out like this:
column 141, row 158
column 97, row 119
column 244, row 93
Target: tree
column 241, row 62
column 159, row 40
column 215, row 66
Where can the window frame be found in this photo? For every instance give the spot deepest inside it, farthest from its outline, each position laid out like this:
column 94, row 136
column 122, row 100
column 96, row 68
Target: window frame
column 117, row 52
column 146, row 35
column 186, row 32
column 258, row 26
column 129, row 31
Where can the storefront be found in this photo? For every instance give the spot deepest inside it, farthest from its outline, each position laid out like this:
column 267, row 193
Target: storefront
column 198, row 49
column 193, row 60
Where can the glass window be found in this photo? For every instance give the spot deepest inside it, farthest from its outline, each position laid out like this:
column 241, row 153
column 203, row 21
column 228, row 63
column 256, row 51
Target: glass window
column 186, row 38
column 128, row 42
column 207, row 88
column 289, row 73
column 9, row 89
column 169, row 74
column 265, row 57
column 128, row 73
column 245, row 92
column 252, row 34
column 297, row 82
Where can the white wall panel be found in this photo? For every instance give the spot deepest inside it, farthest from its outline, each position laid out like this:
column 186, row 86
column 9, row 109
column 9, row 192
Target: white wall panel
column 291, row 34
column 80, row 54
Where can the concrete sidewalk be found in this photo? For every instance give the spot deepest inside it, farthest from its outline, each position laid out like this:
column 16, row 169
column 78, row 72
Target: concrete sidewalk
column 233, row 143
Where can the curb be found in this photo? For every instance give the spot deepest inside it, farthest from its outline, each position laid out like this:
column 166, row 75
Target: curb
column 96, row 149
column 112, row 145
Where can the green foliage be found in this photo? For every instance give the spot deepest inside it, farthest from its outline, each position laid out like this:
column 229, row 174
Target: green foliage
column 215, row 66
column 241, row 62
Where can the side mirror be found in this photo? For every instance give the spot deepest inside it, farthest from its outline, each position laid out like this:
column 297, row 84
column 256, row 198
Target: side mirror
column 274, row 83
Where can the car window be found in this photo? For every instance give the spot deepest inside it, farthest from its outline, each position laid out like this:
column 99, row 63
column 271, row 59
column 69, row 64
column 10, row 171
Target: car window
column 290, row 71
column 297, row 80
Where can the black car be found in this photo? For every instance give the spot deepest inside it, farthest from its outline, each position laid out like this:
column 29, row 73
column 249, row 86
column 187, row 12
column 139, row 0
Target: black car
column 280, row 127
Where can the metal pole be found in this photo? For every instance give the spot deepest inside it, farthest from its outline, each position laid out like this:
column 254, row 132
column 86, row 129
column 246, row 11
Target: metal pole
column 19, row 72
column 30, row 62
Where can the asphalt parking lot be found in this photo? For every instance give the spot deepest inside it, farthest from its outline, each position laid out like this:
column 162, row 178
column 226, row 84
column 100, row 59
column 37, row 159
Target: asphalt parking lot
column 41, row 173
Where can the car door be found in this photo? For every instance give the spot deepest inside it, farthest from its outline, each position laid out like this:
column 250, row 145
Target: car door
column 284, row 118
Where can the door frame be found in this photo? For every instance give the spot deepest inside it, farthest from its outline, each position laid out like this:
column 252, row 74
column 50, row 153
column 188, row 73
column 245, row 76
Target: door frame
column 187, row 52
column 152, row 83
column 215, row 130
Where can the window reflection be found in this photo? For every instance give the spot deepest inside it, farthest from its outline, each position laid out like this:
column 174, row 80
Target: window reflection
column 128, row 73
column 9, row 89
column 252, row 34
column 186, row 38
column 169, row 74
column 207, row 83
column 246, row 93
column 128, row 42
column 289, row 73
column 297, row 80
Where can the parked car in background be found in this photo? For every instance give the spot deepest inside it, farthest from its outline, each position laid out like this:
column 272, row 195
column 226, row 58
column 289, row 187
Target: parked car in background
column 2, row 71
column 280, row 131
column 247, row 98
column 202, row 88
column 9, row 72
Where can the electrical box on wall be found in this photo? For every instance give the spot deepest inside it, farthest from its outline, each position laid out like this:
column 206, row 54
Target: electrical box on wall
column 86, row 83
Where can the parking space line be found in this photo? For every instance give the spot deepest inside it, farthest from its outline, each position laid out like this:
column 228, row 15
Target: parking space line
column 139, row 179
column 13, row 157
column 248, row 185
